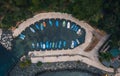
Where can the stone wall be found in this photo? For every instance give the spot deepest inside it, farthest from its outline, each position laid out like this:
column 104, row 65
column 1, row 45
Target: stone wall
column 34, row 70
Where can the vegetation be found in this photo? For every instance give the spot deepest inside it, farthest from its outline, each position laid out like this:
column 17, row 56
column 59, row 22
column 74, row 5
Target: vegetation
column 102, row 14
column 105, row 56
column 25, row 63
column 39, row 63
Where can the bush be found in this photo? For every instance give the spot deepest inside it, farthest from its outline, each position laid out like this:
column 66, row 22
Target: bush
column 105, row 56
column 24, row 64
column 39, row 63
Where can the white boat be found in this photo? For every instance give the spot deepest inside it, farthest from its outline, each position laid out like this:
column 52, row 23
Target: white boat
column 37, row 44
column 33, row 45
column 43, row 46
column 79, row 31
column 68, row 25
column 72, row 44
column 77, row 41
column 32, row 29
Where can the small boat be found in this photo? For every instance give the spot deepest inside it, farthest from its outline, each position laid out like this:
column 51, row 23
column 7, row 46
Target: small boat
column 43, row 46
column 77, row 41
column 75, row 44
column 72, row 44
column 64, row 23
column 64, row 43
column 56, row 45
column 68, row 25
column 44, row 24
column 41, row 27
column 57, row 24
column 50, row 22
column 37, row 45
column 32, row 29
column 47, row 46
column 74, row 28
column 50, row 45
column 22, row 36
column 53, row 44
column 36, row 25
column 60, row 43
column 79, row 31
column 33, row 45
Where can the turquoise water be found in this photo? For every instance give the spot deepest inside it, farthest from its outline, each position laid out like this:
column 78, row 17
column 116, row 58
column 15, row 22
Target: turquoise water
column 68, row 73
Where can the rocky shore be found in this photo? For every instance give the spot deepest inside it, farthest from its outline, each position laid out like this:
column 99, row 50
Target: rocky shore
column 35, row 70
column 6, row 39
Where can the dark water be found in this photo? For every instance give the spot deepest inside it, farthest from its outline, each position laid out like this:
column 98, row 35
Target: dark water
column 67, row 73
column 6, row 61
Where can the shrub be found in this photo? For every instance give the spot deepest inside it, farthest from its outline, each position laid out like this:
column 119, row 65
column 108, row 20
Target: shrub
column 39, row 63
column 24, row 64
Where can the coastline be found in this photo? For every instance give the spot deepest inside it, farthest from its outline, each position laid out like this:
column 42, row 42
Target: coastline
column 6, row 38
column 34, row 70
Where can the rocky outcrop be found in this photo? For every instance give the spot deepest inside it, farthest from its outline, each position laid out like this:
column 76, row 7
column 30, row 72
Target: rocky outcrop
column 6, row 39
